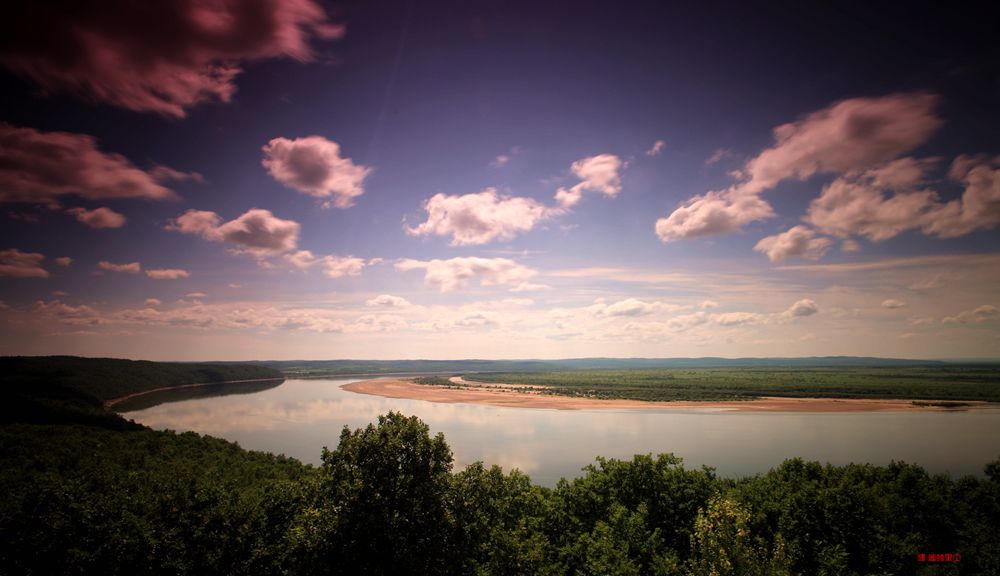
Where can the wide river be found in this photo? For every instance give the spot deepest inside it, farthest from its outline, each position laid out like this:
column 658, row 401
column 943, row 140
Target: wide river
column 300, row 417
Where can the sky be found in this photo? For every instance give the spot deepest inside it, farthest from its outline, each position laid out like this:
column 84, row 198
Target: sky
column 265, row 179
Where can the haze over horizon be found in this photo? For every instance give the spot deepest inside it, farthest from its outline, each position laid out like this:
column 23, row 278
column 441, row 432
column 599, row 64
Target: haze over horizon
column 440, row 180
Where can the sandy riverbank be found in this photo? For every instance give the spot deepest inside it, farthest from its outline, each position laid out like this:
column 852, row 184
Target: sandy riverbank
column 501, row 396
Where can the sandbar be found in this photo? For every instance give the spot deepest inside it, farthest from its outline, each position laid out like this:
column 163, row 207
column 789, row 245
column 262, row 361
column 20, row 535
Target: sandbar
column 506, row 396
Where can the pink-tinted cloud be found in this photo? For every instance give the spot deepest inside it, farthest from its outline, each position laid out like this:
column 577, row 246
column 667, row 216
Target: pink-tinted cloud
column 313, row 165
column 656, row 148
column 882, row 203
column 63, row 261
column 166, row 173
column 99, row 217
column 845, row 138
column 601, row 173
column 892, row 303
column 798, row 241
column 984, row 313
column 388, row 301
column 160, row 56
column 256, row 232
column 130, row 268
column 850, row 135
column 479, row 218
column 333, row 266
column 804, row 307
column 17, row 264
column 167, row 273
column 41, row 166
column 712, row 214
column 449, row 275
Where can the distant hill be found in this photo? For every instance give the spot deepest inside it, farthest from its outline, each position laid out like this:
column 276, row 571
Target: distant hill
column 42, row 388
column 333, row 367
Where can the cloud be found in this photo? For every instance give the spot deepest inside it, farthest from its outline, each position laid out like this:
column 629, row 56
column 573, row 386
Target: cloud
column 166, row 173
column 167, row 273
column 39, row 167
column 388, row 301
column 17, row 264
column 656, row 148
column 313, row 165
column 886, row 201
column 597, row 174
column 846, row 137
column 739, row 318
column 256, row 232
column 98, row 217
column 130, row 268
column 63, row 261
column 500, row 161
column 850, row 135
column 82, row 315
column 449, row 275
column 153, row 302
column 984, row 313
column 893, row 303
column 979, row 206
column 479, row 218
column 630, row 307
column 804, row 307
column 333, row 266
column 158, row 56
column 718, row 155
column 712, row 214
column 797, row 241
column 530, row 287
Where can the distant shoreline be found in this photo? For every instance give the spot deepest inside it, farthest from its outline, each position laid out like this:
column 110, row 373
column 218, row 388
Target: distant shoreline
column 120, row 399
column 509, row 398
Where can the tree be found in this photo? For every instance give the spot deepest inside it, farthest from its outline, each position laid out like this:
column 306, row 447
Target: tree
column 381, row 508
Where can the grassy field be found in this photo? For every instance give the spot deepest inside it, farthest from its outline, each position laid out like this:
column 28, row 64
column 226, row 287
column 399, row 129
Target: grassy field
column 950, row 382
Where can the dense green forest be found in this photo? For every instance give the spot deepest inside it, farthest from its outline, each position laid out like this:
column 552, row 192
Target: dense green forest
column 936, row 382
column 103, row 495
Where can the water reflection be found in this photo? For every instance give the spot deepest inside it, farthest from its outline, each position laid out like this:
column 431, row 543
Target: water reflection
column 300, row 417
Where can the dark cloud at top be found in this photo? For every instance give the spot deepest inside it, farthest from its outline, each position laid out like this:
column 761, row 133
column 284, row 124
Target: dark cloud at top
column 161, row 56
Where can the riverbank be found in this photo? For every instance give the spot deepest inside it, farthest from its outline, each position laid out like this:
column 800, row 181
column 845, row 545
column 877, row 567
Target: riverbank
column 508, row 396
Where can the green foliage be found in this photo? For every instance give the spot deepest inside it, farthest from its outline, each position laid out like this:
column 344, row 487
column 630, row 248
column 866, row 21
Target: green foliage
column 943, row 382
column 435, row 381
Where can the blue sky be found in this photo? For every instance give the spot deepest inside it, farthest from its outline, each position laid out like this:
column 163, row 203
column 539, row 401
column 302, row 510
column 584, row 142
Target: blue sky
column 471, row 179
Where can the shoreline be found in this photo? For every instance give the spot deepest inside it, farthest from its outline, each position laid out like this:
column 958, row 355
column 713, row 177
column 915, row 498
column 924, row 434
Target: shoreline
column 120, row 399
column 506, row 398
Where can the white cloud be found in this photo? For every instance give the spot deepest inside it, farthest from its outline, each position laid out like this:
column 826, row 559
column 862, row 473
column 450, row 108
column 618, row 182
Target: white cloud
column 739, row 318
column 41, row 166
column 333, row 266
column 17, row 264
column 479, row 218
column 313, row 165
column 167, row 273
column 388, row 301
column 712, row 214
column 804, row 307
column 893, row 303
column 656, row 148
column 597, row 174
column 530, row 287
column 256, row 232
column 984, row 313
column 500, row 161
column 798, row 241
column 846, row 137
column 630, row 307
column 449, row 275
column 99, row 217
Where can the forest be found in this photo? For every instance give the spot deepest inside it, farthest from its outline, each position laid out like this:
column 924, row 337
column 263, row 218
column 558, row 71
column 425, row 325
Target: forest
column 947, row 382
column 105, row 495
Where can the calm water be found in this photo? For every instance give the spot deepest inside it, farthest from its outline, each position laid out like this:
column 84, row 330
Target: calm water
column 300, row 417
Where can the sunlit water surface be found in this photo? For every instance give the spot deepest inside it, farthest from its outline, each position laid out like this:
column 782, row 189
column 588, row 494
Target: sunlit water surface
column 300, row 417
